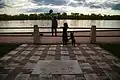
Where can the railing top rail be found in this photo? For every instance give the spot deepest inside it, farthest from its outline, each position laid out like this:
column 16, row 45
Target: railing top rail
column 16, row 32
column 41, row 28
column 107, row 28
column 26, row 35
column 16, row 27
column 57, row 32
column 50, row 28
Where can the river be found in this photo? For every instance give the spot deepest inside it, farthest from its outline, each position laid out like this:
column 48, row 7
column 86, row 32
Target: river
column 47, row 23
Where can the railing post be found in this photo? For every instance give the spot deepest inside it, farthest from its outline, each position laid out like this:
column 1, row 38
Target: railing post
column 93, row 34
column 36, row 37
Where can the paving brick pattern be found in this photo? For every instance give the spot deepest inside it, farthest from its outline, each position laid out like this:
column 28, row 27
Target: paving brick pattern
column 95, row 62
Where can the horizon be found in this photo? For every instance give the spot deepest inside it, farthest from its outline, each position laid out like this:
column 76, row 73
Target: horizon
column 103, row 7
column 34, row 13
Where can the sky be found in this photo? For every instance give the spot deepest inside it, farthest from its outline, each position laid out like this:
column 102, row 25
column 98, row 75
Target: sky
column 12, row 7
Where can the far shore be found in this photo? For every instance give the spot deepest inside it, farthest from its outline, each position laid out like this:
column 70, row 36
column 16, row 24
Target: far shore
column 47, row 16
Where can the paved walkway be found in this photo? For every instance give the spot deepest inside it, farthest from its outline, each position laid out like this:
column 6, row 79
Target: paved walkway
column 94, row 63
column 54, row 40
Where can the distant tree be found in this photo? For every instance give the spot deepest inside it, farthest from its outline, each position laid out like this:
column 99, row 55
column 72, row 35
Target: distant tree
column 75, row 14
column 41, row 16
column 51, row 11
column 64, row 14
column 33, row 16
column 59, row 16
column 81, row 14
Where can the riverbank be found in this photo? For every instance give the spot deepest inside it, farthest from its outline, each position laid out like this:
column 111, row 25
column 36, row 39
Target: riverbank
column 113, row 48
column 7, row 47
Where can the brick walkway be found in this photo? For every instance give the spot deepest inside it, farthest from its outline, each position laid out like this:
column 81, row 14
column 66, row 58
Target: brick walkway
column 94, row 62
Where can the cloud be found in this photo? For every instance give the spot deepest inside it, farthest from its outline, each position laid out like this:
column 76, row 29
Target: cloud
column 1, row 4
column 96, row 6
column 38, row 10
column 44, row 9
column 50, row 2
column 116, row 7
column 86, row 3
column 76, row 3
column 59, row 5
column 114, row 4
column 80, row 1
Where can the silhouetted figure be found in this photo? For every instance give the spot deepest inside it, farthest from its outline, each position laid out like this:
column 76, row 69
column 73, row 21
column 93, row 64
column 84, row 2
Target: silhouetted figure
column 64, row 35
column 72, row 38
column 54, row 26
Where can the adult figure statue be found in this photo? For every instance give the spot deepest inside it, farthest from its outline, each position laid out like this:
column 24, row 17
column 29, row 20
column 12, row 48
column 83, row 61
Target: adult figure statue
column 54, row 26
column 64, row 35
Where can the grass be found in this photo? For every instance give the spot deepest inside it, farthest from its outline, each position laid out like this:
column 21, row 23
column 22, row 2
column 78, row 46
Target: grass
column 113, row 48
column 5, row 48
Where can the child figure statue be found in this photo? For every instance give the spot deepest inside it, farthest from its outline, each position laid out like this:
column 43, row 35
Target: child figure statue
column 72, row 38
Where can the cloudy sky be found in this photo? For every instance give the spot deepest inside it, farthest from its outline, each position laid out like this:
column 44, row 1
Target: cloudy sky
column 80, row 6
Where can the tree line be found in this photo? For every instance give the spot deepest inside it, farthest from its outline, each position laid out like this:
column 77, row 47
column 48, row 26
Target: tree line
column 47, row 16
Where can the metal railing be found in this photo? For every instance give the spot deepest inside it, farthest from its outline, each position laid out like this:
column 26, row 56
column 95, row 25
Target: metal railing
column 37, row 31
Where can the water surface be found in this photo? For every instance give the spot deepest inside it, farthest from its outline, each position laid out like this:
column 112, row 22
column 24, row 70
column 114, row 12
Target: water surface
column 47, row 23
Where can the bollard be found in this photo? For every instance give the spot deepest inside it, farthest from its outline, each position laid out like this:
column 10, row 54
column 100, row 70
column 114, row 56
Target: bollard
column 36, row 37
column 93, row 34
